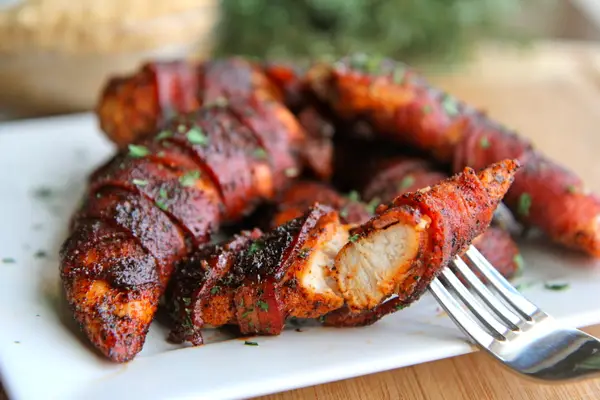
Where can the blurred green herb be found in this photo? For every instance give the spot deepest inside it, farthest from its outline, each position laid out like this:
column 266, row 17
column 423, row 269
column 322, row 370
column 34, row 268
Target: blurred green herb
column 408, row 29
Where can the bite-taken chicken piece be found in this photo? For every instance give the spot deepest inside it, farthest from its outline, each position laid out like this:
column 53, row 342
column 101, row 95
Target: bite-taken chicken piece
column 133, row 107
column 401, row 106
column 392, row 177
column 313, row 266
column 155, row 202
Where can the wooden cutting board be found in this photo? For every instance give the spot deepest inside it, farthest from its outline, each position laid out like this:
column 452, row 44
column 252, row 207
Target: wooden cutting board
column 551, row 93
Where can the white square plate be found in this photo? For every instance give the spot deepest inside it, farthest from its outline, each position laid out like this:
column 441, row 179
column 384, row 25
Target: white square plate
column 43, row 167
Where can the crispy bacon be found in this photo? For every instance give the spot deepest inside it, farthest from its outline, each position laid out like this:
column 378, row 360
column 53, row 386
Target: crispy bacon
column 401, row 106
column 315, row 266
column 151, row 205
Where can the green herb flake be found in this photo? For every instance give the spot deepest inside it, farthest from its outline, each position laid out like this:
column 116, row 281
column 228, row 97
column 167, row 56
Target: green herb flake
column 160, row 202
column 519, row 262
column 249, row 343
column 262, row 305
column 215, row 289
column 43, row 193
column 344, row 212
column 484, row 143
column 8, row 260
column 260, row 154
column 450, row 105
column 571, row 189
column 256, row 246
column 161, row 153
column 40, row 254
column 524, row 285
column 524, row 204
column 304, row 253
column 197, row 136
column 406, row 182
column 181, row 128
column 373, row 204
column 354, row 237
column 353, row 196
column 400, row 307
column 186, row 300
column 140, row 182
column 556, row 286
column 165, row 134
column 137, row 151
column 189, row 178
column 399, row 74
column 427, row 109
column 291, row 172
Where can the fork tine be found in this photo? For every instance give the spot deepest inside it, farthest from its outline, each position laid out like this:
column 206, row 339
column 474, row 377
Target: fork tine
column 507, row 316
column 527, row 309
column 464, row 321
column 481, row 313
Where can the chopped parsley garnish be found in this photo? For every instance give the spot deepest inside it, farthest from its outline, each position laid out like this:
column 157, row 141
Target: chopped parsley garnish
column 161, row 153
column 291, row 172
column 427, row 109
column 572, row 189
column 344, row 212
column 304, row 253
column 353, row 196
column 557, row 287
column 42, row 193
column 197, row 136
column 249, row 343
column 450, row 105
column 262, row 305
column 140, row 182
column 8, row 260
column 40, row 254
column 164, row 135
column 373, row 204
column 354, row 237
column 162, row 193
column 256, row 246
column 186, row 300
column 400, row 306
column 189, row 178
column 260, row 153
column 138, row 151
column 181, row 128
column 406, row 182
column 519, row 262
column 398, row 74
column 524, row 204
column 215, row 289
column 484, row 143
column 525, row 285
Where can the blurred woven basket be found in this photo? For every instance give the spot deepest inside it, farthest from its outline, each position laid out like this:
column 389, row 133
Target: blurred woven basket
column 56, row 54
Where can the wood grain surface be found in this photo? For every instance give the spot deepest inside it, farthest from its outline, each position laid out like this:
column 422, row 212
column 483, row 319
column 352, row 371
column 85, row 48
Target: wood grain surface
column 551, row 93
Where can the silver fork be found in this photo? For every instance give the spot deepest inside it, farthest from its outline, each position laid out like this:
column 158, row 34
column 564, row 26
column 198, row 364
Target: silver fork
column 510, row 327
